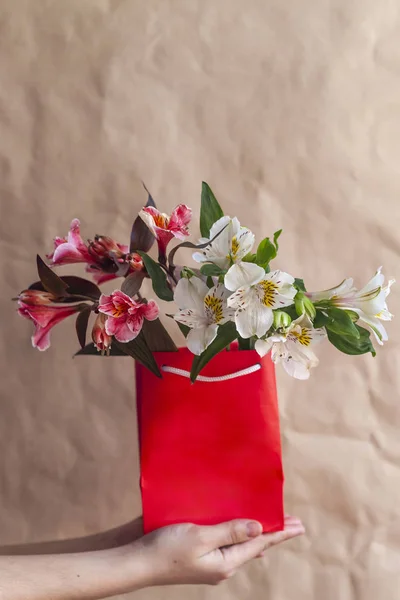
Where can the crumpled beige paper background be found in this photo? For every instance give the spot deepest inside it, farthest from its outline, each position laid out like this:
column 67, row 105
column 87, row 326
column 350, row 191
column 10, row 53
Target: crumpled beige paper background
column 290, row 110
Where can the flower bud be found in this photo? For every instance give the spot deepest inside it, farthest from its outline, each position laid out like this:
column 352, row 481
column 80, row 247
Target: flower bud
column 304, row 305
column 36, row 297
column 281, row 319
column 187, row 273
column 100, row 337
column 135, row 261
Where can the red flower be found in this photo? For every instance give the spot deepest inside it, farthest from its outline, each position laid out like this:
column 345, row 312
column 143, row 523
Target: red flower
column 44, row 318
column 100, row 337
column 163, row 227
column 125, row 315
column 71, row 249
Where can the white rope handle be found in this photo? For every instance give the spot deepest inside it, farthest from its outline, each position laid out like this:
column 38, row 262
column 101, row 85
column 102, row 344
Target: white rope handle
column 184, row 373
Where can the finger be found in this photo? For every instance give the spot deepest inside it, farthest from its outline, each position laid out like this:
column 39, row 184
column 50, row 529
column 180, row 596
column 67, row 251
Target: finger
column 290, row 531
column 231, row 532
column 239, row 554
column 290, row 520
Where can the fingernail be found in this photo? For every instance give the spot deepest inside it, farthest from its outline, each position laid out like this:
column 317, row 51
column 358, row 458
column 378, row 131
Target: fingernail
column 253, row 529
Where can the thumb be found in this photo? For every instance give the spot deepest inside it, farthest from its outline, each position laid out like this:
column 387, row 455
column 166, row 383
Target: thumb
column 231, row 532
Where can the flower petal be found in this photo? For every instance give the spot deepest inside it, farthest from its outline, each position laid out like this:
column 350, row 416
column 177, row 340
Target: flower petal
column 66, row 254
column 190, row 293
column 242, row 244
column 375, row 326
column 344, row 288
column 41, row 338
column 191, row 318
column 375, row 282
column 221, row 224
column 151, row 310
column 120, row 329
column 243, row 275
column 262, row 347
column 215, row 306
column 179, row 221
column 295, row 367
column 199, row 339
column 256, row 320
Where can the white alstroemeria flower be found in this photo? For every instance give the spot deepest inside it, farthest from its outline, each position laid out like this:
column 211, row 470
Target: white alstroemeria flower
column 201, row 309
column 256, row 294
column 292, row 348
column 231, row 245
column 369, row 302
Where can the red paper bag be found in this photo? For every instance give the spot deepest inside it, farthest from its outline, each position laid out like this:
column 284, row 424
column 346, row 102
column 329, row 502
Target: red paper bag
column 210, row 451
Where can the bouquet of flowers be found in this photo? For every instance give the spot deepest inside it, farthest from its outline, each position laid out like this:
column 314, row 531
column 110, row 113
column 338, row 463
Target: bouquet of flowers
column 223, row 431
column 232, row 295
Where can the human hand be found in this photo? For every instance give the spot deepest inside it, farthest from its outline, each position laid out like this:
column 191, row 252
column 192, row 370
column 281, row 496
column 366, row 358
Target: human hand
column 188, row 553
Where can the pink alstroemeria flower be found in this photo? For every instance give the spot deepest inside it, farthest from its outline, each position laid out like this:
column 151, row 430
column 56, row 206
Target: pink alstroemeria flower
column 44, row 318
column 71, row 249
column 100, row 337
column 163, row 227
column 125, row 315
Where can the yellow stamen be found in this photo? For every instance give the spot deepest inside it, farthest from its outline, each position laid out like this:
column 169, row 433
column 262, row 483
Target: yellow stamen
column 235, row 247
column 303, row 337
column 161, row 221
column 214, row 308
column 269, row 289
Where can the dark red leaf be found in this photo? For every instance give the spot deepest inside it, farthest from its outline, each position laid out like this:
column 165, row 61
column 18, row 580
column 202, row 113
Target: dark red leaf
column 133, row 283
column 141, row 236
column 157, row 337
column 51, row 281
column 81, row 287
column 91, row 350
column 82, row 324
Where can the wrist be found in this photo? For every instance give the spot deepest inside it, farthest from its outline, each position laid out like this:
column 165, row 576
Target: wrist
column 136, row 567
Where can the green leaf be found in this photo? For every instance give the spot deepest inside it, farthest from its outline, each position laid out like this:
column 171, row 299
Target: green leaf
column 226, row 334
column 299, row 285
column 267, row 250
column 250, row 257
column 353, row 345
column 50, row 280
column 157, row 337
column 341, row 323
column 158, row 278
column 276, row 237
column 91, row 350
column 320, row 320
column 81, row 325
column 140, row 351
column 210, row 210
column 210, row 269
column 184, row 328
column 210, row 282
column 132, row 284
column 141, row 236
